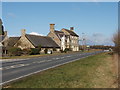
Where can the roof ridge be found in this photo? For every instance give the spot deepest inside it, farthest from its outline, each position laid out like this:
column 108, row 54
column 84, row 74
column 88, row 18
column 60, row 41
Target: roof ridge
column 71, row 32
column 36, row 35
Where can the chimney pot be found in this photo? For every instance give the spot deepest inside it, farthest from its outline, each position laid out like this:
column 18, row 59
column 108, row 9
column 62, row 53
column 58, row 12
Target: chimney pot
column 72, row 28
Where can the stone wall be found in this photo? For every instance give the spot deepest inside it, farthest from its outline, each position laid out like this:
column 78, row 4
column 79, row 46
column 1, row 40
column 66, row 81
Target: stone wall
column 54, row 37
column 24, row 43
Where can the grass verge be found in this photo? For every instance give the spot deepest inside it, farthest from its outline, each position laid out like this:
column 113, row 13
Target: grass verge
column 91, row 72
column 40, row 55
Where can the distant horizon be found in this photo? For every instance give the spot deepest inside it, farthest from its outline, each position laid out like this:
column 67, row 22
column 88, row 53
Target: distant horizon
column 97, row 20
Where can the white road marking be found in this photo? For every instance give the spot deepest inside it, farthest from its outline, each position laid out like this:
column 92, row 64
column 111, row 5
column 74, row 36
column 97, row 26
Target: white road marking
column 68, row 56
column 12, row 66
column 15, row 66
column 22, row 64
column 34, row 62
column 57, row 58
column 49, row 60
column 41, row 61
column 62, row 57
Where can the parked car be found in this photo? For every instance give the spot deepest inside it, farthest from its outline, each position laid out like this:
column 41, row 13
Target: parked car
column 49, row 52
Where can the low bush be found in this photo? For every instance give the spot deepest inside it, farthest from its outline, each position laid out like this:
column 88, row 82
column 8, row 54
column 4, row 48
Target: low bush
column 14, row 51
column 46, row 50
column 34, row 51
column 54, row 49
column 61, row 51
column 66, row 50
column 26, row 51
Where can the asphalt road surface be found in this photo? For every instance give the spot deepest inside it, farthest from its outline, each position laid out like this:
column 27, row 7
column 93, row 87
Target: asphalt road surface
column 14, row 70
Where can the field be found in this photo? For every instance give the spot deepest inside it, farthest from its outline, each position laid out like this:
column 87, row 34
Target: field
column 99, row 71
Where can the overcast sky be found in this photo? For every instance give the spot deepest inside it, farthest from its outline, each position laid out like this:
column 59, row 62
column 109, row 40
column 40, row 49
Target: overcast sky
column 98, row 20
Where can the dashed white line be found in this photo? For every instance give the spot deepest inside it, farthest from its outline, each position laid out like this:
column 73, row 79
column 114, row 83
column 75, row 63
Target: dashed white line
column 41, row 61
column 68, row 56
column 15, row 66
column 1, row 68
column 57, row 58
column 49, row 60
column 34, row 62
column 12, row 66
column 62, row 57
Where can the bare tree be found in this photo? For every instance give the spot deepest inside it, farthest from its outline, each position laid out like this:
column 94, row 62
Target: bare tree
column 116, row 40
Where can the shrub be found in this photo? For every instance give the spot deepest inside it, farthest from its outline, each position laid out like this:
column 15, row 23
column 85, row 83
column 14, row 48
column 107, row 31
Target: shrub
column 61, row 51
column 66, row 49
column 54, row 49
column 46, row 50
column 14, row 51
column 35, row 51
column 26, row 51
column 39, row 47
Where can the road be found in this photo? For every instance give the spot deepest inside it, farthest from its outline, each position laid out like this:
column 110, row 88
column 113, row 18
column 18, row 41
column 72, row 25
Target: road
column 14, row 70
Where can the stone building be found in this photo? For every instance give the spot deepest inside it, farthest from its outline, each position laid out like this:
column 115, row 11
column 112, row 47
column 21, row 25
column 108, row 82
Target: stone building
column 27, row 41
column 12, row 41
column 65, row 38
column 73, row 42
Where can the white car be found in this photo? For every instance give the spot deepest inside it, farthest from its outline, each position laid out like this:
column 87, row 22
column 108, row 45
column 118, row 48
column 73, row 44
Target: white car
column 49, row 52
column 106, row 50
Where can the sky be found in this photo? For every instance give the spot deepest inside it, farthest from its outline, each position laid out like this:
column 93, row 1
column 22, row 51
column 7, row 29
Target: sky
column 97, row 20
column 60, row 0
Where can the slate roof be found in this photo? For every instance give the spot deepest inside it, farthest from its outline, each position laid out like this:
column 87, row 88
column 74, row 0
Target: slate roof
column 71, row 32
column 59, row 34
column 12, row 41
column 2, row 38
column 44, row 41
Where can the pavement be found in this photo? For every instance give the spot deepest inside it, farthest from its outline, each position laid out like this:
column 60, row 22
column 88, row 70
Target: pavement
column 17, row 69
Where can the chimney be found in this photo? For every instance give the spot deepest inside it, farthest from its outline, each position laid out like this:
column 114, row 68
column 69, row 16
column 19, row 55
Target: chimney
column 52, row 27
column 5, row 33
column 23, row 32
column 72, row 28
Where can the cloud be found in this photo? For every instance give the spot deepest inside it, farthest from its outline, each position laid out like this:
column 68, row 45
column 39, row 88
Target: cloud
column 98, row 39
column 35, row 33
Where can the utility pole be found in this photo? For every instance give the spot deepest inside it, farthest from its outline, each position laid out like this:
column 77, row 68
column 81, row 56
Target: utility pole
column 83, row 41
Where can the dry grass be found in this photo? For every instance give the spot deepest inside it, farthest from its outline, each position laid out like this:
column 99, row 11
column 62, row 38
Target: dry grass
column 107, row 73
